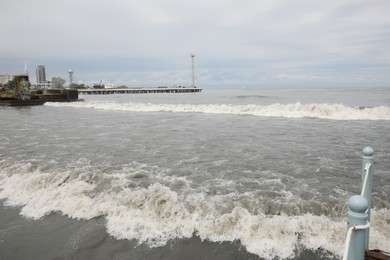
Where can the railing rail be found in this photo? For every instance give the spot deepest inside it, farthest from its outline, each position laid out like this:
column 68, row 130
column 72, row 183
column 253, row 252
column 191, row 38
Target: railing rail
column 367, row 173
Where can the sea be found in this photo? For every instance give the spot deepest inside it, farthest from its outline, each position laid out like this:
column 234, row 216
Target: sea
column 243, row 173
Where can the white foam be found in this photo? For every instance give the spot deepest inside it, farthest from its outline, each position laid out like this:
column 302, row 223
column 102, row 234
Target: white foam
column 154, row 214
column 296, row 110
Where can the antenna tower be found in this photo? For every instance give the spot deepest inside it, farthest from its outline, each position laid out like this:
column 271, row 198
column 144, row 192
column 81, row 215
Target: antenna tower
column 193, row 70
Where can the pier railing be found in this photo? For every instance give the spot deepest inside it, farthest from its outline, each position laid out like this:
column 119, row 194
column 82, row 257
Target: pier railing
column 357, row 241
column 105, row 91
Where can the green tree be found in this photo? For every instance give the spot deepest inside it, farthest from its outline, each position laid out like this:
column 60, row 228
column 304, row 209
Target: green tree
column 58, row 82
column 77, row 86
column 12, row 84
column 121, row 87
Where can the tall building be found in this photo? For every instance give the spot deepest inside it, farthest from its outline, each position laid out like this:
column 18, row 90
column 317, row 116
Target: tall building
column 5, row 78
column 41, row 74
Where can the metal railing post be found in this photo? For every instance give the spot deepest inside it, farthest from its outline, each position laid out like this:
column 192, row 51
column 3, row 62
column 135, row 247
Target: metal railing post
column 357, row 220
column 368, row 157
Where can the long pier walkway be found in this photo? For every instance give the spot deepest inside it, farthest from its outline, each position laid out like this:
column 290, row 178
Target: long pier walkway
column 105, row 91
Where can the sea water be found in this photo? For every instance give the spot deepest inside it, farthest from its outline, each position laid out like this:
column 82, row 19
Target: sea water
column 220, row 174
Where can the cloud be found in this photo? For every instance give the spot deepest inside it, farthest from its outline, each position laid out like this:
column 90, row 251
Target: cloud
column 236, row 42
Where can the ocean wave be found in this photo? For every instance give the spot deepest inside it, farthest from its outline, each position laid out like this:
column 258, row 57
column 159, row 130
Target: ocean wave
column 296, row 110
column 155, row 213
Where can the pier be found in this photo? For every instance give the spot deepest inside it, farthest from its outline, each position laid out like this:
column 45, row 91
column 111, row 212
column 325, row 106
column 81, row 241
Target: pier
column 105, row 91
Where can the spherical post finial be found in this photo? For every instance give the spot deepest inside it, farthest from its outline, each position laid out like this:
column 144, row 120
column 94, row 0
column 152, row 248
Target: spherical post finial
column 358, row 204
column 368, row 151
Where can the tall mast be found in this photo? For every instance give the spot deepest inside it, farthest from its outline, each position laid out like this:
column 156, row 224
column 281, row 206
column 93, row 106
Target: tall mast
column 193, row 70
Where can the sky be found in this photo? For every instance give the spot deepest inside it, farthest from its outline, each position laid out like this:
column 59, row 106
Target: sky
column 237, row 43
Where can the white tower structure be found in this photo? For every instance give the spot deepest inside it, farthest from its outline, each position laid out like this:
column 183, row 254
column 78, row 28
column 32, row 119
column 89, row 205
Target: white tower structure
column 25, row 68
column 70, row 72
column 193, row 70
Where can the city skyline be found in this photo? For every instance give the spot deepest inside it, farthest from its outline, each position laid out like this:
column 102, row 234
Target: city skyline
column 39, row 78
column 237, row 43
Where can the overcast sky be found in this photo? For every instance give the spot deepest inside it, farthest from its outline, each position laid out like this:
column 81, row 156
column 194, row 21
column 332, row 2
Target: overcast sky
column 237, row 43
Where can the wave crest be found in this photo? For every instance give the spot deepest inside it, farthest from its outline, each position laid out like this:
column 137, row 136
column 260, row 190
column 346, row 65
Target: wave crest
column 296, row 110
column 156, row 213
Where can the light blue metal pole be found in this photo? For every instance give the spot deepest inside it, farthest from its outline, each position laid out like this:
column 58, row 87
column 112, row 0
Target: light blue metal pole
column 368, row 157
column 357, row 216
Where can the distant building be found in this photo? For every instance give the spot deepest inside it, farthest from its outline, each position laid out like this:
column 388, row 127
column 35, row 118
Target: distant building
column 42, row 83
column 5, row 78
column 41, row 74
column 17, row 78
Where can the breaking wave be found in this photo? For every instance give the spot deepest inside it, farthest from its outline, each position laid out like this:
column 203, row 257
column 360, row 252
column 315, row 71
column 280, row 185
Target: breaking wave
column 156, row 213
column 296, row 110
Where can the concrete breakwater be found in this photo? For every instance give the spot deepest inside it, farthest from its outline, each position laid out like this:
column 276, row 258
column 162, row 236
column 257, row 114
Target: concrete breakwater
column 56, row 95
column 39, row 97
column 137, row 91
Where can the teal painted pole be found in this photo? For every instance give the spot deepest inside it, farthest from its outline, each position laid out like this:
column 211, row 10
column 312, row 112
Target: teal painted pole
column 357, row 217
column 368, row 157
